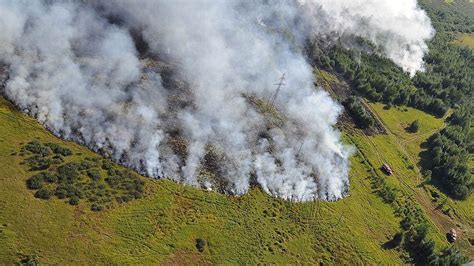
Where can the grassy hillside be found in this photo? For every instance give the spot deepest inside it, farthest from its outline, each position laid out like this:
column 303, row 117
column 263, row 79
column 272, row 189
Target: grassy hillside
column 443, row 211
column 163, row 225
column 404, row 151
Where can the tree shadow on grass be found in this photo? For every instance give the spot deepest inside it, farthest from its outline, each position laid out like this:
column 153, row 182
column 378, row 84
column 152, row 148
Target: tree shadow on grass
column 425, row 156
column 394, row 242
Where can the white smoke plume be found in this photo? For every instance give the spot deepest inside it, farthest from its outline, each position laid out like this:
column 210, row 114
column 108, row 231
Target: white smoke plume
column 166, row 86
column 399, row 27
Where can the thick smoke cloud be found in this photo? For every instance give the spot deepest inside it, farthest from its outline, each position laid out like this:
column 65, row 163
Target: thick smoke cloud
column 399, row 28
column 136, row 80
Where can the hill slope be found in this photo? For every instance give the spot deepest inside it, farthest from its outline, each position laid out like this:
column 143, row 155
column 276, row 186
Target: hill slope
column 164, row 225
column 171, row 223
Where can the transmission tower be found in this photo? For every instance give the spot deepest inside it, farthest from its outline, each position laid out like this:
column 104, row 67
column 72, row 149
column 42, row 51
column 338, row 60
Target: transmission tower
column 279, row 84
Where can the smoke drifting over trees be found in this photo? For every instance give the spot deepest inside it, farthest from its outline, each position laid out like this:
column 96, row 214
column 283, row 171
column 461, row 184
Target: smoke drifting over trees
column 129, row 78
column 399, row 28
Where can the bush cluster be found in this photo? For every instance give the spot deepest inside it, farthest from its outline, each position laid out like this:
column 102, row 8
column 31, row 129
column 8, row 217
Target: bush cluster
column 41, row 158
column 78, row 180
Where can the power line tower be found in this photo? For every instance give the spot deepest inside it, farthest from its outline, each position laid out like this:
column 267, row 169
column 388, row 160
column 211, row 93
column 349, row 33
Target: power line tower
column 301, row 146
column 279, row 84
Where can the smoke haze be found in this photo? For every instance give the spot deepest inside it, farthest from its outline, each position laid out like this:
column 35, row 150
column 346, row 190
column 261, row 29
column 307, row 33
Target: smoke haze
column 176, row 88
column 400, row 28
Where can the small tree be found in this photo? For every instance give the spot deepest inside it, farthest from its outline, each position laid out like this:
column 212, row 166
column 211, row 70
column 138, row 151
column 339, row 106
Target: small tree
column 43, row 193
column 61, row 192
column 452, row 256
column 49, row 177
column 96, row 207
column 30, row 260
column 200, row 244
column 74, row 200
column 414, row 126
column 94, row 174
column 35, row 182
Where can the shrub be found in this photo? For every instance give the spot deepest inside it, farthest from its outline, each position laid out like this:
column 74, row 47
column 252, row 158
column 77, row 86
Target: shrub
column 61, row 192
column 139, row 184
column 136, row 194
column 57, row 159
column 74, row 200
column 30, row 260
column 106, row 165
column 113, row 181
column 123, row 198
column 49, row 177
column 43, row 193
column 200, row 244
column 68, row 171
column 93, row 159
column 57, row 149
column 35, row 182
column 96, row 207
column 73, row 191
column 101, row 192
column 38, row 162
column 94, row 174
column 85, row 165
column 37, row 148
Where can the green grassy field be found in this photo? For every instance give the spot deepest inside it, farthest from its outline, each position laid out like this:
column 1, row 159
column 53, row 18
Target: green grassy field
column 397, row 119
column 163, row 225
column 454, row 214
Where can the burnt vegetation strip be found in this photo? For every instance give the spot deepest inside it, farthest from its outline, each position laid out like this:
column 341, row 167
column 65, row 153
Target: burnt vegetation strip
column 357, row 113
column 93, row 180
